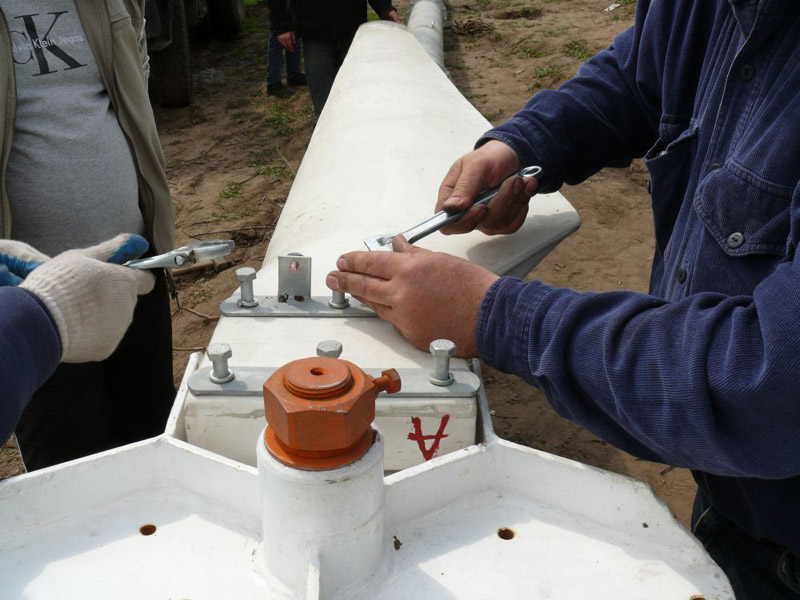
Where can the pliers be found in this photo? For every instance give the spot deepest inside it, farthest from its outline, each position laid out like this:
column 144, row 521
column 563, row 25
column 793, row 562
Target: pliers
column 189, row 254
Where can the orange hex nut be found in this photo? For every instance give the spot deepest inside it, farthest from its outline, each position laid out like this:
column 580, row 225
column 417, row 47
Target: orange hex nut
column 319, row 411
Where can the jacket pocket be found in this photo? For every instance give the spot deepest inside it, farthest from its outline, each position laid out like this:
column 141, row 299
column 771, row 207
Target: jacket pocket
column 669, row 162
column 743, row 213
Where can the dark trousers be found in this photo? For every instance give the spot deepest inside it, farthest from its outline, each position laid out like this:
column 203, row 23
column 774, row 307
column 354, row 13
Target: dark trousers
column 322, row 61
column 275, row 54
column 757, row 570
column 90, row 407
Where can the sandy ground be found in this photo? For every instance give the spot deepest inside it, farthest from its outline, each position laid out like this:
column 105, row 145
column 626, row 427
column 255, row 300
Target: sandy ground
column 232, row 156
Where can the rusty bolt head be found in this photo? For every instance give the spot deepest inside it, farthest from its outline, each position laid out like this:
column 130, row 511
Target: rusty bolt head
column 388, row 382
column 319, row 406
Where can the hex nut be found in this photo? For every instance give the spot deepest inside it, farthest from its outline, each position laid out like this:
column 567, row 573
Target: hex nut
column 323, row 425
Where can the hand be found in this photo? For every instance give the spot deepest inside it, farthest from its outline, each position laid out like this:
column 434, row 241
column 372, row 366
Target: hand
column 90, row 296
column 391, row 15
column 479, row 170
column 17, row 260
column 287, row 40
column 425, row 295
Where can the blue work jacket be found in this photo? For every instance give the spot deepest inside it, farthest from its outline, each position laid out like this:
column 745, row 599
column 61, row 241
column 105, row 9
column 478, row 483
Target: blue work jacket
column 704, row 371
column 30, row 349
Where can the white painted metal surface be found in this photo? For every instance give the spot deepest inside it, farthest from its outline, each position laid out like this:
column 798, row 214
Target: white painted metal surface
column 73, row 531
column 391, row 128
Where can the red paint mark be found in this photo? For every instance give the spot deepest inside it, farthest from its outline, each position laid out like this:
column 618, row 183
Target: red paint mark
column 416, row 435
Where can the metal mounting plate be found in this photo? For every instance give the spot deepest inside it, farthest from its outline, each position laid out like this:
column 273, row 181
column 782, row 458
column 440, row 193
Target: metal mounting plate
column 271, row 306
column 249, row 381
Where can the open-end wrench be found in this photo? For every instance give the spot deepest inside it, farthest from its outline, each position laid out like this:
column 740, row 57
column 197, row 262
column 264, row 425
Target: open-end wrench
column 442, row 218
column 189, row 254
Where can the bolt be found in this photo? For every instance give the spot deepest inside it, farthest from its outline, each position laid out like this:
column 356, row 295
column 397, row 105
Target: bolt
column 388, row 382
column 246, row 277
column 219, row 354
column 329, row 348
column 338, row 300
column 442, row 350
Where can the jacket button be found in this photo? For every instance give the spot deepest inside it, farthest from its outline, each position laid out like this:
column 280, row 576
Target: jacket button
column 735, row 240
column 715, row 166
column 681, row 274
column 747, row 72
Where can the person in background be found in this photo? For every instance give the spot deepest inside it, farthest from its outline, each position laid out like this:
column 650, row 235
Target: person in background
column 82, row 162
column 701, row 372
column 326, row 30
column 72, row 308
column 275, row 61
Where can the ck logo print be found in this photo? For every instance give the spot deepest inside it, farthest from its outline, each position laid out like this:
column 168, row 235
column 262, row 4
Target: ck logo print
column 48, row 51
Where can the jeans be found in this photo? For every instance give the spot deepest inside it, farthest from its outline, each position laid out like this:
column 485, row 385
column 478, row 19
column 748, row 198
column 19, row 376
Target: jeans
column 90, row 407
column 323, row 59
column 757, row 570
column 275, row 53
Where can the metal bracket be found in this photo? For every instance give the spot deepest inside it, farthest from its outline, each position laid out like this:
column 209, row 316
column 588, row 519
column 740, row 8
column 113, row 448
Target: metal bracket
column 249, row 381
column 294, row 277
column 294, row 296
column 271, row 306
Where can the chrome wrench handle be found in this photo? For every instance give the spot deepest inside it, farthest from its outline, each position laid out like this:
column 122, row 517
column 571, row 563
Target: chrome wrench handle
column 443, row 218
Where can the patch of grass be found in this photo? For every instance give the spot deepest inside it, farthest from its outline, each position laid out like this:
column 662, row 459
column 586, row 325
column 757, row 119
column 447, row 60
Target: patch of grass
column 231, row 191
column 578, row 48
column 543, row 72
column 254, row 25
column 238, row 50
column 273, row 171
column 531, row 52
column 492, row 116
column 279, row 118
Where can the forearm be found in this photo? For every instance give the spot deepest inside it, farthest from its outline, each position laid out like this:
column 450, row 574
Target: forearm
column 706, row 383
column 30, row 349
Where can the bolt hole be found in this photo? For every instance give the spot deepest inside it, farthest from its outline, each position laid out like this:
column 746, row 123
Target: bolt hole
column 504, row 533
column 147, row 529
column 299, row 298
column 316, row 371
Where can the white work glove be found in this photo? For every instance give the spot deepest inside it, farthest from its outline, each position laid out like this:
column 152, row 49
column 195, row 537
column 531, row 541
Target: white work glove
column 17, row 260
column 91, row 299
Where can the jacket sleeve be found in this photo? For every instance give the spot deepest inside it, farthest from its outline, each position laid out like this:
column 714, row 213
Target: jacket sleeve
column 709, row 382
column 30, row 349
column 607, row 114
column 381, row 7
column 280, row 20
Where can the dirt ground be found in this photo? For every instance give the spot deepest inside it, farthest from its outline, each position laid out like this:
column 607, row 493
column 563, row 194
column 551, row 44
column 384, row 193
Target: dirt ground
column 231, row 157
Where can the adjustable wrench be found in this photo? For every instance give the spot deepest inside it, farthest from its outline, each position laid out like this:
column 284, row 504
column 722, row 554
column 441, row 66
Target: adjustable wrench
column 442, row 218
